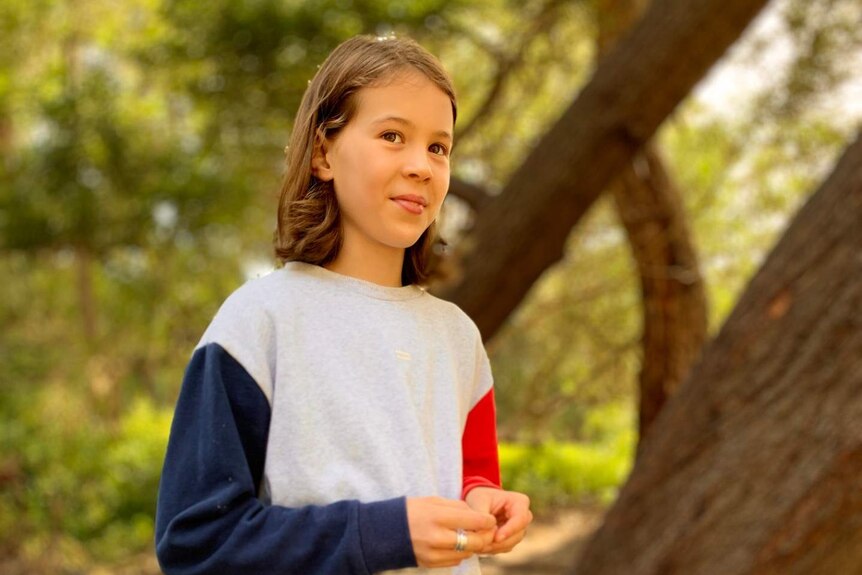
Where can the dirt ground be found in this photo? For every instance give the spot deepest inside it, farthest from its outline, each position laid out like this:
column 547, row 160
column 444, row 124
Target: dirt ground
column 550, row 547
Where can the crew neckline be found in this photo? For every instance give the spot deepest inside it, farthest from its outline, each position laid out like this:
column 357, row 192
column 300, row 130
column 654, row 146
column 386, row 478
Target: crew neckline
column 356, row 285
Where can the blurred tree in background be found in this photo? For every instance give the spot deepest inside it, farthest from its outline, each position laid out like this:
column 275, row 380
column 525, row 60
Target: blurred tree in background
column 142, row 146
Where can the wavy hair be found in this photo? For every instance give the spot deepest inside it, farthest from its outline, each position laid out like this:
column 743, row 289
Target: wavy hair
column 309, row 224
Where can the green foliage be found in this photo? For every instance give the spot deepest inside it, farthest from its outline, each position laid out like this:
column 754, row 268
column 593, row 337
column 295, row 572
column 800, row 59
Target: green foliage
column 741, row 192
column 573, row 344
column 566, row 473
column 78, row 477
column 475, row 41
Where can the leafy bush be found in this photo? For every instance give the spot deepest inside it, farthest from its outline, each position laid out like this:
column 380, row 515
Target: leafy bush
column 566, row 473
column 83, row 482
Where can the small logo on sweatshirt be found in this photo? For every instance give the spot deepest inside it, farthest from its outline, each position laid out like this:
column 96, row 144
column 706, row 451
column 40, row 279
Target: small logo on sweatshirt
column 402, row 355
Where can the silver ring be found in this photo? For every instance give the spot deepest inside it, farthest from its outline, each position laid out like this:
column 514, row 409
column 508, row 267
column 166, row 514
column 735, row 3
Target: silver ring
column 460, row 540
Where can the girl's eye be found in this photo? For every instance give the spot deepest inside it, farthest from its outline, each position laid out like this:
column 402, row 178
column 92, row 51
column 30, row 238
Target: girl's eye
column 393, row 137
column 438, row 149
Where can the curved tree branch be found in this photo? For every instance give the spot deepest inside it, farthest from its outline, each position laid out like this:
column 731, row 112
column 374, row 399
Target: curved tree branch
column 472, row 194
column 651, row 210
column 634, row 88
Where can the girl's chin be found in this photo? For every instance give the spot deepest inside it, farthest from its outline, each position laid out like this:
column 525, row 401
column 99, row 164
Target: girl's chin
column 406, row 240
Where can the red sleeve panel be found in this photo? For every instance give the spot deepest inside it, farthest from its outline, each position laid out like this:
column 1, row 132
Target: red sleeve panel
column 481, row 462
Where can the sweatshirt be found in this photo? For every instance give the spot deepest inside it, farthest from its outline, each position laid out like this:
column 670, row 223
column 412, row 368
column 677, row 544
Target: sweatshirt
column 312, row 407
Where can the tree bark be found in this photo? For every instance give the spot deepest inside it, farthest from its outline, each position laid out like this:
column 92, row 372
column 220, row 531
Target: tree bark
column 651, row 210
column 674, row 302
column 473, row 195
column 755, row 465
column 633, row 90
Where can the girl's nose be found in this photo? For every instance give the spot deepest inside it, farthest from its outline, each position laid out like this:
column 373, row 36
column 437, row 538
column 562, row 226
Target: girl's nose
column 417, row 165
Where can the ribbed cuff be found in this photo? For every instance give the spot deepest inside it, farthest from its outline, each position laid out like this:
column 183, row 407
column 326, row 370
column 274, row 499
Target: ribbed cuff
column 476, row 481
column 385, row 535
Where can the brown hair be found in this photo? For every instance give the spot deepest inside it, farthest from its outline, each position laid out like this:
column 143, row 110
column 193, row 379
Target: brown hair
column 309, row 226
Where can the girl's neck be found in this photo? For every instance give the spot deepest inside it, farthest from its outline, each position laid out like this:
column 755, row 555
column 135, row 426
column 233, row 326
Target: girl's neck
column 377, row 264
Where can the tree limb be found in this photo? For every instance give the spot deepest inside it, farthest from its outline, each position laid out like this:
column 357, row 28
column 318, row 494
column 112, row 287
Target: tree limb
column 633, row 90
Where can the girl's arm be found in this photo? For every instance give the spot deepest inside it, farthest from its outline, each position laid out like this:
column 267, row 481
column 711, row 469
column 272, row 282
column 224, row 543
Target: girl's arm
column 209, row 519
column 482, row 488
column 481, row 463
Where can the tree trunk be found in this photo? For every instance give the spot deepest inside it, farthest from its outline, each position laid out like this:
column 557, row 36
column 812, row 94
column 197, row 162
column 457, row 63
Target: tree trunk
column 755, row 465
column 674, row 302
column 651, row 209
column 633, row 90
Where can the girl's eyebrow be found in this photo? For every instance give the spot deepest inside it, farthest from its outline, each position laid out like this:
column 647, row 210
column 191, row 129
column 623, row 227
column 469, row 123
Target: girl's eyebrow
column 409, row 124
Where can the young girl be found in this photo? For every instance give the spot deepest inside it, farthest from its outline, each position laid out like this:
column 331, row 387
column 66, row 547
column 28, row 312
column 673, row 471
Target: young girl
column 335, row 417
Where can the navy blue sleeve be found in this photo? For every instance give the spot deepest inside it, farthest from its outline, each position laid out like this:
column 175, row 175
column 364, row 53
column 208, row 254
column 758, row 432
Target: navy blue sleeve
column 209, row 519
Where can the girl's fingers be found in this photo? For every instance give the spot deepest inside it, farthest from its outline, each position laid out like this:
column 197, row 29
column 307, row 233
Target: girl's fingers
column 473, row 540
column 519, row 517
column 467, row 519
column 444, row 553
column 479, row 540
column 505, row 545
column 457, row 503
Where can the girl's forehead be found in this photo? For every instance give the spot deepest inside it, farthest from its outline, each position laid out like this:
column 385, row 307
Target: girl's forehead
column 407, row 93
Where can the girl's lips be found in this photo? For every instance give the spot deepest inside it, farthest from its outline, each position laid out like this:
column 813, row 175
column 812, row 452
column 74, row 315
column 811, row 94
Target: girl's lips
column 412, row 207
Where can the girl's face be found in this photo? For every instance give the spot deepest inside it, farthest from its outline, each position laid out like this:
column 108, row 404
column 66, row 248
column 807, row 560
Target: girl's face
column 390, row 163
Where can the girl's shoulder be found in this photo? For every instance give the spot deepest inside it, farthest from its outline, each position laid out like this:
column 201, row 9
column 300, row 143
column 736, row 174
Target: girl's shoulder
column 456, row 321
column 250, row 299
column 258, row 295
column 251, row 311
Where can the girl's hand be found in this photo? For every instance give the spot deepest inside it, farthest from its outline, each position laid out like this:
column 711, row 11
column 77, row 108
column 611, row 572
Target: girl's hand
column 434, row 522
column 512, row 511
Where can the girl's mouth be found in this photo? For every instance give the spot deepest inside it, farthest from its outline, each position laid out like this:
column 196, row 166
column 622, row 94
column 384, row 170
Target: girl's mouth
column 410, row 206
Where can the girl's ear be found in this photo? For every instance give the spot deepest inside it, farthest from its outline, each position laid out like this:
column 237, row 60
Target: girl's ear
column 320, row 167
